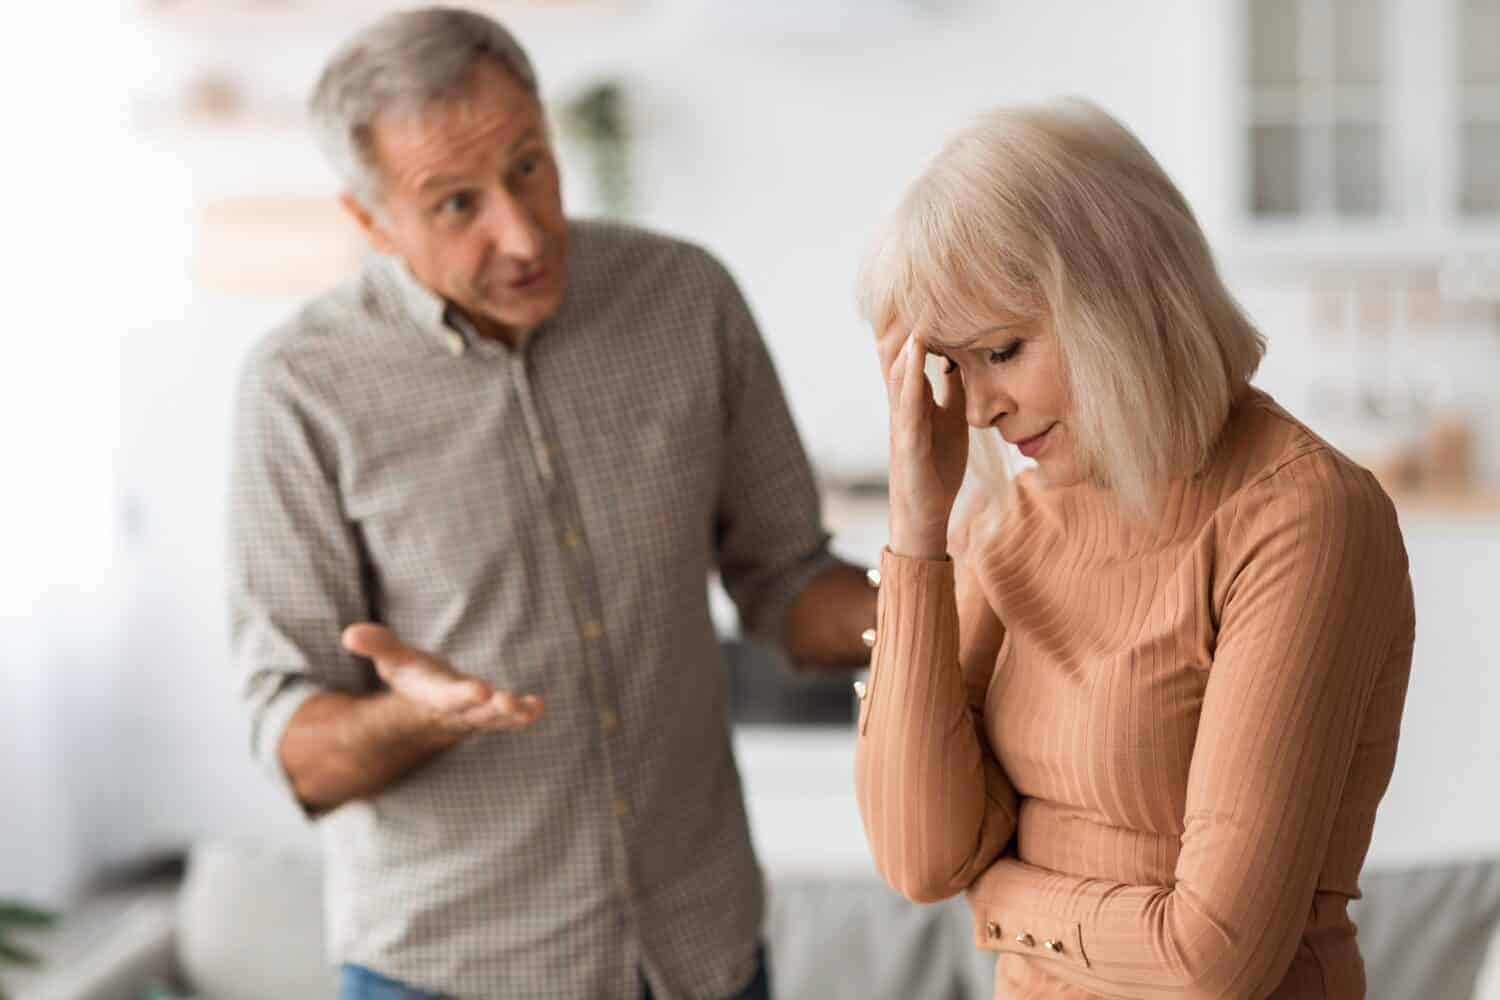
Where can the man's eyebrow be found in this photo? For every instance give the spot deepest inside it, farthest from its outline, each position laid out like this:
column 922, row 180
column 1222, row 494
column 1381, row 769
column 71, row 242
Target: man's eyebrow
column 531, row 133
column 438, row 181
column 443, row 180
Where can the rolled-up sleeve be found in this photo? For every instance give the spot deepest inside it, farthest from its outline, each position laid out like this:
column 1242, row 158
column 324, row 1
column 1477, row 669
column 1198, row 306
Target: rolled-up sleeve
column 296, row 574
column 769, row 531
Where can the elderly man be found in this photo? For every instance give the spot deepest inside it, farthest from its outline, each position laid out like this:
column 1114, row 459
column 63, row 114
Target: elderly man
column 477, row 491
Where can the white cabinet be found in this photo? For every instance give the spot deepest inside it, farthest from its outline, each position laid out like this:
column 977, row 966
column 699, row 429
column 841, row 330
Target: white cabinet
column 1376, row 118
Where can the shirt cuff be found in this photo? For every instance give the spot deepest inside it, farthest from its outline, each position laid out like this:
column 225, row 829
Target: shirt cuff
column 916, row 618
column 770, row 624
column 270, row 725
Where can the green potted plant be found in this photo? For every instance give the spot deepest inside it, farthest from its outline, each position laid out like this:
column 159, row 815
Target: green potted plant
column 597, row 120
column 18, row 916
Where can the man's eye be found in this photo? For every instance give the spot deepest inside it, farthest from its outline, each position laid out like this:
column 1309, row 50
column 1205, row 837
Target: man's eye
column 527, row 165
column 459, row 203
column 1004, row 354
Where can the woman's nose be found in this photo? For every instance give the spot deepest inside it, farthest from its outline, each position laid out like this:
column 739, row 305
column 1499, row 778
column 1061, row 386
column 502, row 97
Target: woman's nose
column 982, row 408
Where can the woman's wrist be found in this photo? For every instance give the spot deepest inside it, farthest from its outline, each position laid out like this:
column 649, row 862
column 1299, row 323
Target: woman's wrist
column 918, row 545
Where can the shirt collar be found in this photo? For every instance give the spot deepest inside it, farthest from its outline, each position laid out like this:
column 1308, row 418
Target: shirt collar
column 439, row 319
column 443, row 323
column 430, row 312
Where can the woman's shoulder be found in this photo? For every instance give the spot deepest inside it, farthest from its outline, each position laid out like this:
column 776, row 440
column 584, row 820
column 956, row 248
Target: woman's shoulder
column 1291, row 480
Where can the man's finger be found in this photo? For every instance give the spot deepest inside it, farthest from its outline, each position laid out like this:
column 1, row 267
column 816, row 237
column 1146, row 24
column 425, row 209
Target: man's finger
column 505, row 711
column 437, row 688
column 375, row 642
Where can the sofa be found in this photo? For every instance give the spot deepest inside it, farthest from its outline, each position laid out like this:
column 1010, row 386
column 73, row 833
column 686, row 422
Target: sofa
column 244, row 923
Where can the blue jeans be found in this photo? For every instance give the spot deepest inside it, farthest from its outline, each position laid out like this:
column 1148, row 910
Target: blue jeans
column 358, row 983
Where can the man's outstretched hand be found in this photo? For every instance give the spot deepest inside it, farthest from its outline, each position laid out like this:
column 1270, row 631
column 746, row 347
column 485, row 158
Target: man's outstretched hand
column 456, row 701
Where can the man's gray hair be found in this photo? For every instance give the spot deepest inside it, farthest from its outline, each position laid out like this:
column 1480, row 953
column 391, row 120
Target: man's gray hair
column 399, row 65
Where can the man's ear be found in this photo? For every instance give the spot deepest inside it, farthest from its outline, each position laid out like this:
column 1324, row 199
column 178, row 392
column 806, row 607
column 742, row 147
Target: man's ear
column 368, row 223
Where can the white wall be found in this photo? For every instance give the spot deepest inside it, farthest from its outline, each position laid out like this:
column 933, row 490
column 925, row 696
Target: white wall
column 783, row 152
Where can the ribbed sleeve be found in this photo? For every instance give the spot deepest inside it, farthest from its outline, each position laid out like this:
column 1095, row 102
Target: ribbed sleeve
column 936, row 806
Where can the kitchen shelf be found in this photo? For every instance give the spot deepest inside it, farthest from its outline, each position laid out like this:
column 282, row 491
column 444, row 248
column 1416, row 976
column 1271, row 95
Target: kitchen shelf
column 1442, row 504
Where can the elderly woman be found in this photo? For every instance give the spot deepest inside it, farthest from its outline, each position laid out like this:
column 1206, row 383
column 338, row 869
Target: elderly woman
column 1144, row 711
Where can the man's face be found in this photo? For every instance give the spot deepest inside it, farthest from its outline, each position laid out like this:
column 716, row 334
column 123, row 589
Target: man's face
column 472, row 202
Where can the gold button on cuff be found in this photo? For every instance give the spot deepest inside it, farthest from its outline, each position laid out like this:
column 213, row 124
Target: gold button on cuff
column 992, row 930
column 592, row 630
column 860, row 690
column 622, row 809
column 570, row 538
column 456, row 343
column 1025, row 939
column 872, row 577
column 608, row 720
column 868, row 638
column 1053, row 946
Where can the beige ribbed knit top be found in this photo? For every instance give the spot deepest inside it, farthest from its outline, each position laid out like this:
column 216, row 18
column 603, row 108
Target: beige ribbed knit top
column 1150, row 750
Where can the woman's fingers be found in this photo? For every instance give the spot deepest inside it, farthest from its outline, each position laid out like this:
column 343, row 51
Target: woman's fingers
column 916, row 392
column 911, row 374
column 951, row 407
column 888, row 344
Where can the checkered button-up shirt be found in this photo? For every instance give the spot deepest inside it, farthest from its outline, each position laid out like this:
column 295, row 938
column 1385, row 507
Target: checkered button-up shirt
column 545, row 519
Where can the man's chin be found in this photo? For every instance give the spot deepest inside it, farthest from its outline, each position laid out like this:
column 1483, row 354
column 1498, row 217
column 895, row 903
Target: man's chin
column 520, row 318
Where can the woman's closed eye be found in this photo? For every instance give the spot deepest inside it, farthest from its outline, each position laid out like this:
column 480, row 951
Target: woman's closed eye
column 1001, row 355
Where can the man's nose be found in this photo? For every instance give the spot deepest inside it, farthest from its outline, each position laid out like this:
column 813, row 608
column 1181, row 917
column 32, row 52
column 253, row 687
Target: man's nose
column 515, row 232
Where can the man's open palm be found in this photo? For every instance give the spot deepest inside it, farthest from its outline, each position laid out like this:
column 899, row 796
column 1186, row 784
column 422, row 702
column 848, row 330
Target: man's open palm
column 455, row 699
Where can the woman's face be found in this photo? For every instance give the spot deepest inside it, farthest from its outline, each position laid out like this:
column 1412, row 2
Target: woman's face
column 1015, row 381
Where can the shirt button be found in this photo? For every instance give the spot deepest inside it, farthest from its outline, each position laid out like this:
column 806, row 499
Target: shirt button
column 860, row 690
column 592, row 630
column 868, row 638
column 1025, row 940
column 608, row 720
column 992, row 930
column 1053, row 946
column 456, row 343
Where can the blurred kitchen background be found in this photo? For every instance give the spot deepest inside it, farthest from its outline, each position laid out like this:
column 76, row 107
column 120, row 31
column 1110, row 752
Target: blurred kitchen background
column 1343, row 155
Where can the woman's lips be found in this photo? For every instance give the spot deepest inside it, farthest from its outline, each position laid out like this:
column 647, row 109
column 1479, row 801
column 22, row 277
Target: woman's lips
column 1032, row 446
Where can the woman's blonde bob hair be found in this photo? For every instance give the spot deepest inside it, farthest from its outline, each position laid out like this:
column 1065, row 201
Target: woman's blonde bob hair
column 1059, row 210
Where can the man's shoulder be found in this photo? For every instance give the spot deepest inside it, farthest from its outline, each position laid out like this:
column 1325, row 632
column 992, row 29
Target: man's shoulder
column 322, row 330
column 608, row 246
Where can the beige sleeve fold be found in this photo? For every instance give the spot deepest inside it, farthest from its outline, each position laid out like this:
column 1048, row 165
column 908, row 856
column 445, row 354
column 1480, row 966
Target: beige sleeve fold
column 937, row 808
